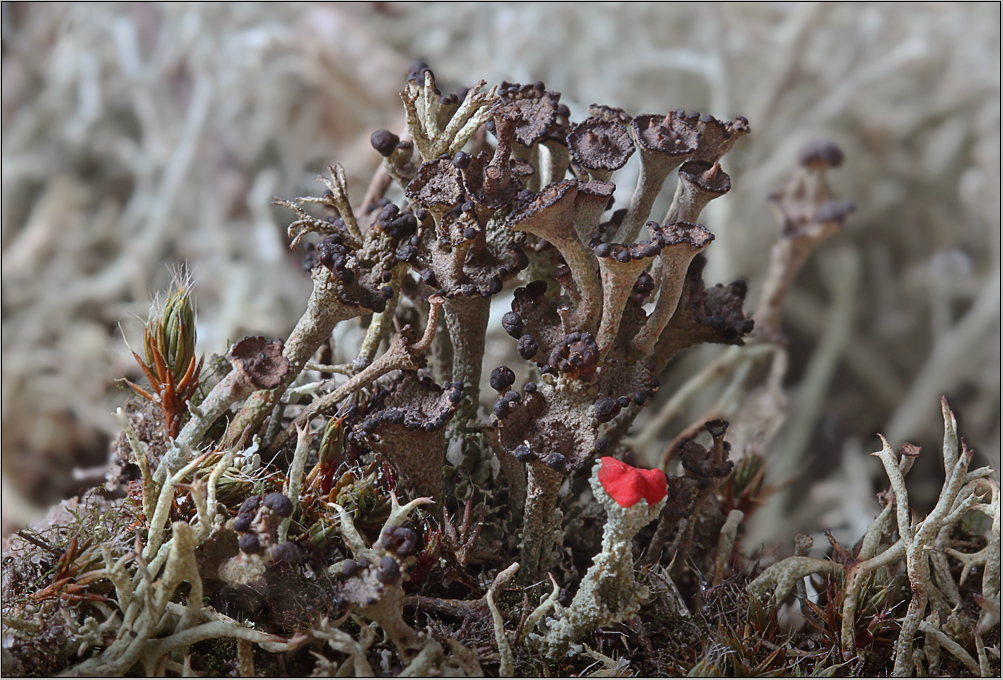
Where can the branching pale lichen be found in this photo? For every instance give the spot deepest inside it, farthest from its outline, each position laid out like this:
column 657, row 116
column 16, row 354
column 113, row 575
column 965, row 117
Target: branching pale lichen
column 919, row 541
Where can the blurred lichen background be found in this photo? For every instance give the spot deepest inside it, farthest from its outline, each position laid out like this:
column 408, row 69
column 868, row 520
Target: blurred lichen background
column 138, row 138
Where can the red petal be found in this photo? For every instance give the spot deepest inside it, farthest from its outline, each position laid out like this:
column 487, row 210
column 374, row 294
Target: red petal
column 627, row 485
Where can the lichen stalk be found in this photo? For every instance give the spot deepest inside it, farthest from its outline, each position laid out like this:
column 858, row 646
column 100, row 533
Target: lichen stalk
column 664, row 143
column 142, row 460
column 324, row 310
column 617, row 282
column 403, row 355
column 918, row 539
column 681, row 243
column 726, row 542
column 550, row 217
column 559, row 161
column 164, row 502
column 541, row 610
column 783, row 575
column 808, row 217
column 584, row 272
column 231, row 389
column 540, row 520
column 381, row 323
column 609, row 593
column 294, row 479
column 945, row 641
column 649, row 185
column 590, row 204
column 441, row 355
column 467, row 322
column 507, row 668
column 698, row 185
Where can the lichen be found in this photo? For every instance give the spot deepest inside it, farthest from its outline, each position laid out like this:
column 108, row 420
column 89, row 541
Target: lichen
column 496, row 198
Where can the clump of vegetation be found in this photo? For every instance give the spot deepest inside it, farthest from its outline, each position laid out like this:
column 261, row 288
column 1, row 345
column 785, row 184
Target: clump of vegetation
column 386, row 523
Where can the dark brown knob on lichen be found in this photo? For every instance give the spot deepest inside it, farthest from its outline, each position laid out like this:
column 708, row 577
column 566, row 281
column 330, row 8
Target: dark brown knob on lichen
column 389, row 571
column 461, row 160
column 502, row 378
column 286, row 554
column 644, row 285
column 577, row 357
column 528, row 347
column 249, row 544
column 399, row 225
column 332, row 253
column 417, row 70
column 500, row 407
column 600, row 146
column 249, row 506
column 512, row 323
column 535, row 289
column 556, row 460
column 820, row 154
column 605, row 409
column 401, row 541
column 523, row 454
column 385, row 142
column 279, row 504
column 261, row 360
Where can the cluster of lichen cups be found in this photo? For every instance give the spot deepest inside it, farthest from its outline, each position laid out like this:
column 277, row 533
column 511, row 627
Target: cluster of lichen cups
column 536, row 205
column 532, row 212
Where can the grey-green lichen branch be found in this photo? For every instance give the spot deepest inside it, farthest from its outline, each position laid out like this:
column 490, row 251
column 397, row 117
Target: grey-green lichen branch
column 405, row 354
column 422, row 107
column 917, row 547
column 609, row 593
column 153, row 626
